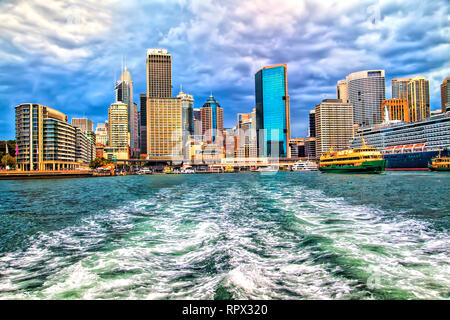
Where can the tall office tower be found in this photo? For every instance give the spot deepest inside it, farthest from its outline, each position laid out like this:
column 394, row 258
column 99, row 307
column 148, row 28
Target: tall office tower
column 159, row 74
column 342, row 91
column 44, row 138
column 143, row 124
column 397, row 109
column 419, row 98
column 101, row 134
column 273, row 123
column 197, row 122
column 400, row 88
column 187, row 120
column 246, row 144
column 124, row 94
column 83, row 123
column 212, row 119
column 164, row 129
column 118, row 125
column 312, row 123
column 445, row 94
column 334, row 125
column 366, row 92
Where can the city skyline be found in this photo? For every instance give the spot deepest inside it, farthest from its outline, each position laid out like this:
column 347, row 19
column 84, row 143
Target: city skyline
column 71, row 74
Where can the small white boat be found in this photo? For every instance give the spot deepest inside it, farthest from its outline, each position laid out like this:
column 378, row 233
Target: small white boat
column 302, row 165
column 269, row 169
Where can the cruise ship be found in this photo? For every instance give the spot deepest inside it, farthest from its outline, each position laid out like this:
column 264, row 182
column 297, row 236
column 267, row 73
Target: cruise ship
column 408, row 146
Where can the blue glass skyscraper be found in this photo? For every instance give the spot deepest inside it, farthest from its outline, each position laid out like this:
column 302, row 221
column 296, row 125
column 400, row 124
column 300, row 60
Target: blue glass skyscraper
column 272, row 111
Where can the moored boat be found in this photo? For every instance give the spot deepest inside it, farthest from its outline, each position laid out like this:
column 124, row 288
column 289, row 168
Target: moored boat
column 304, row 166
column 365, row 159
column 440, row 163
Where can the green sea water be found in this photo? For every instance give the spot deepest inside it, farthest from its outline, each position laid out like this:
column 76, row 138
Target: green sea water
column 289, row 235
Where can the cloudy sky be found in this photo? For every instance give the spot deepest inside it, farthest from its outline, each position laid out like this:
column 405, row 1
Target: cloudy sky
column 65, row 54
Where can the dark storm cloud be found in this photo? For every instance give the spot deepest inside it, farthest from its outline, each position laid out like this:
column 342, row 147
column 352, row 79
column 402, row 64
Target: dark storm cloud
column 66, row 54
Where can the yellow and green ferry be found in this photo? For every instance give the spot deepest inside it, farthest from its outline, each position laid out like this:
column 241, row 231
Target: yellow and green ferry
column 365, row 159
column 440, row 163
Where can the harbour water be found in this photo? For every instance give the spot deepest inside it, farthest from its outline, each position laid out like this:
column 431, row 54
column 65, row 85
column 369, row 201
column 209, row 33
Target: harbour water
column 289, row 235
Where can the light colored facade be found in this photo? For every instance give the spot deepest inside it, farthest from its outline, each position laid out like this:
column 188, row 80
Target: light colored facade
column 187, row 120
column 342, row 91
column 398, row 109
column 334, row 125
column 101, row 134
column 164, row 129
column 366, row 92
column 419, row 98
column 83, row 123
column 445, row 94
column 400, row 88
column 159, row 74
column 119, row 136
column 44, row 138
column 246, row 142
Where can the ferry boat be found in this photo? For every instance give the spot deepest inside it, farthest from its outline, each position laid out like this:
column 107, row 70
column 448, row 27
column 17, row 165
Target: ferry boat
column 269, row 169
column 304, row 166
column 408, row 146
column 440, row 164
column 365, row 159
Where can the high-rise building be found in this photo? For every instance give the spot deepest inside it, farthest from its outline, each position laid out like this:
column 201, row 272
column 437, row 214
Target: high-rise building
column 143, row 123
column 419, row 98
column 334, row 125
column 118, row 135
column 312, row 123
column 164, row 129
column 197, row 122
column 342, row 91
column 187, row 120
column 101, row 134
column 124, row 94
column 400, row 88
column 45, row 140
column 272, row 111
column 445, row 94
column 397, row 109
column 83, row 123
column 159, row 74
column 212, row 119
column 246, row 144
column 366, row 92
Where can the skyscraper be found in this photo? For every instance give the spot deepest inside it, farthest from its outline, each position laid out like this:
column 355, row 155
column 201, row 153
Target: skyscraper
column 143, row 123
column 212, row 119
column 124, row 93
column 159, row 73
column 272, row 111
column 342, row 91
column 197, row 122
column 83, row 123
column 334, row 125
column 118, row 135
column 366, row 92
column 312, row 123
column 398, row 109
column 419, row 98
column 400, row 88
column 445, row 94
column 187, row 120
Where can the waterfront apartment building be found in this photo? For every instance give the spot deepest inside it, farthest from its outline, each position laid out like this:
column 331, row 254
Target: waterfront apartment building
column 445, row 95
column 397, row 109
column 366, row 92
column 273, row 123
column 87, row 128
column 342, row 90
column 119, row 135
column 45, row 140
column 164, row 129
column 211, row 114
column 334, row 125
column 159, row 74
column 419, row 98
column 400, row 88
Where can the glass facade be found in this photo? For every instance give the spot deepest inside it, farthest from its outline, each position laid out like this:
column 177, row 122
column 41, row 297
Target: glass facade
column 272, row 120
